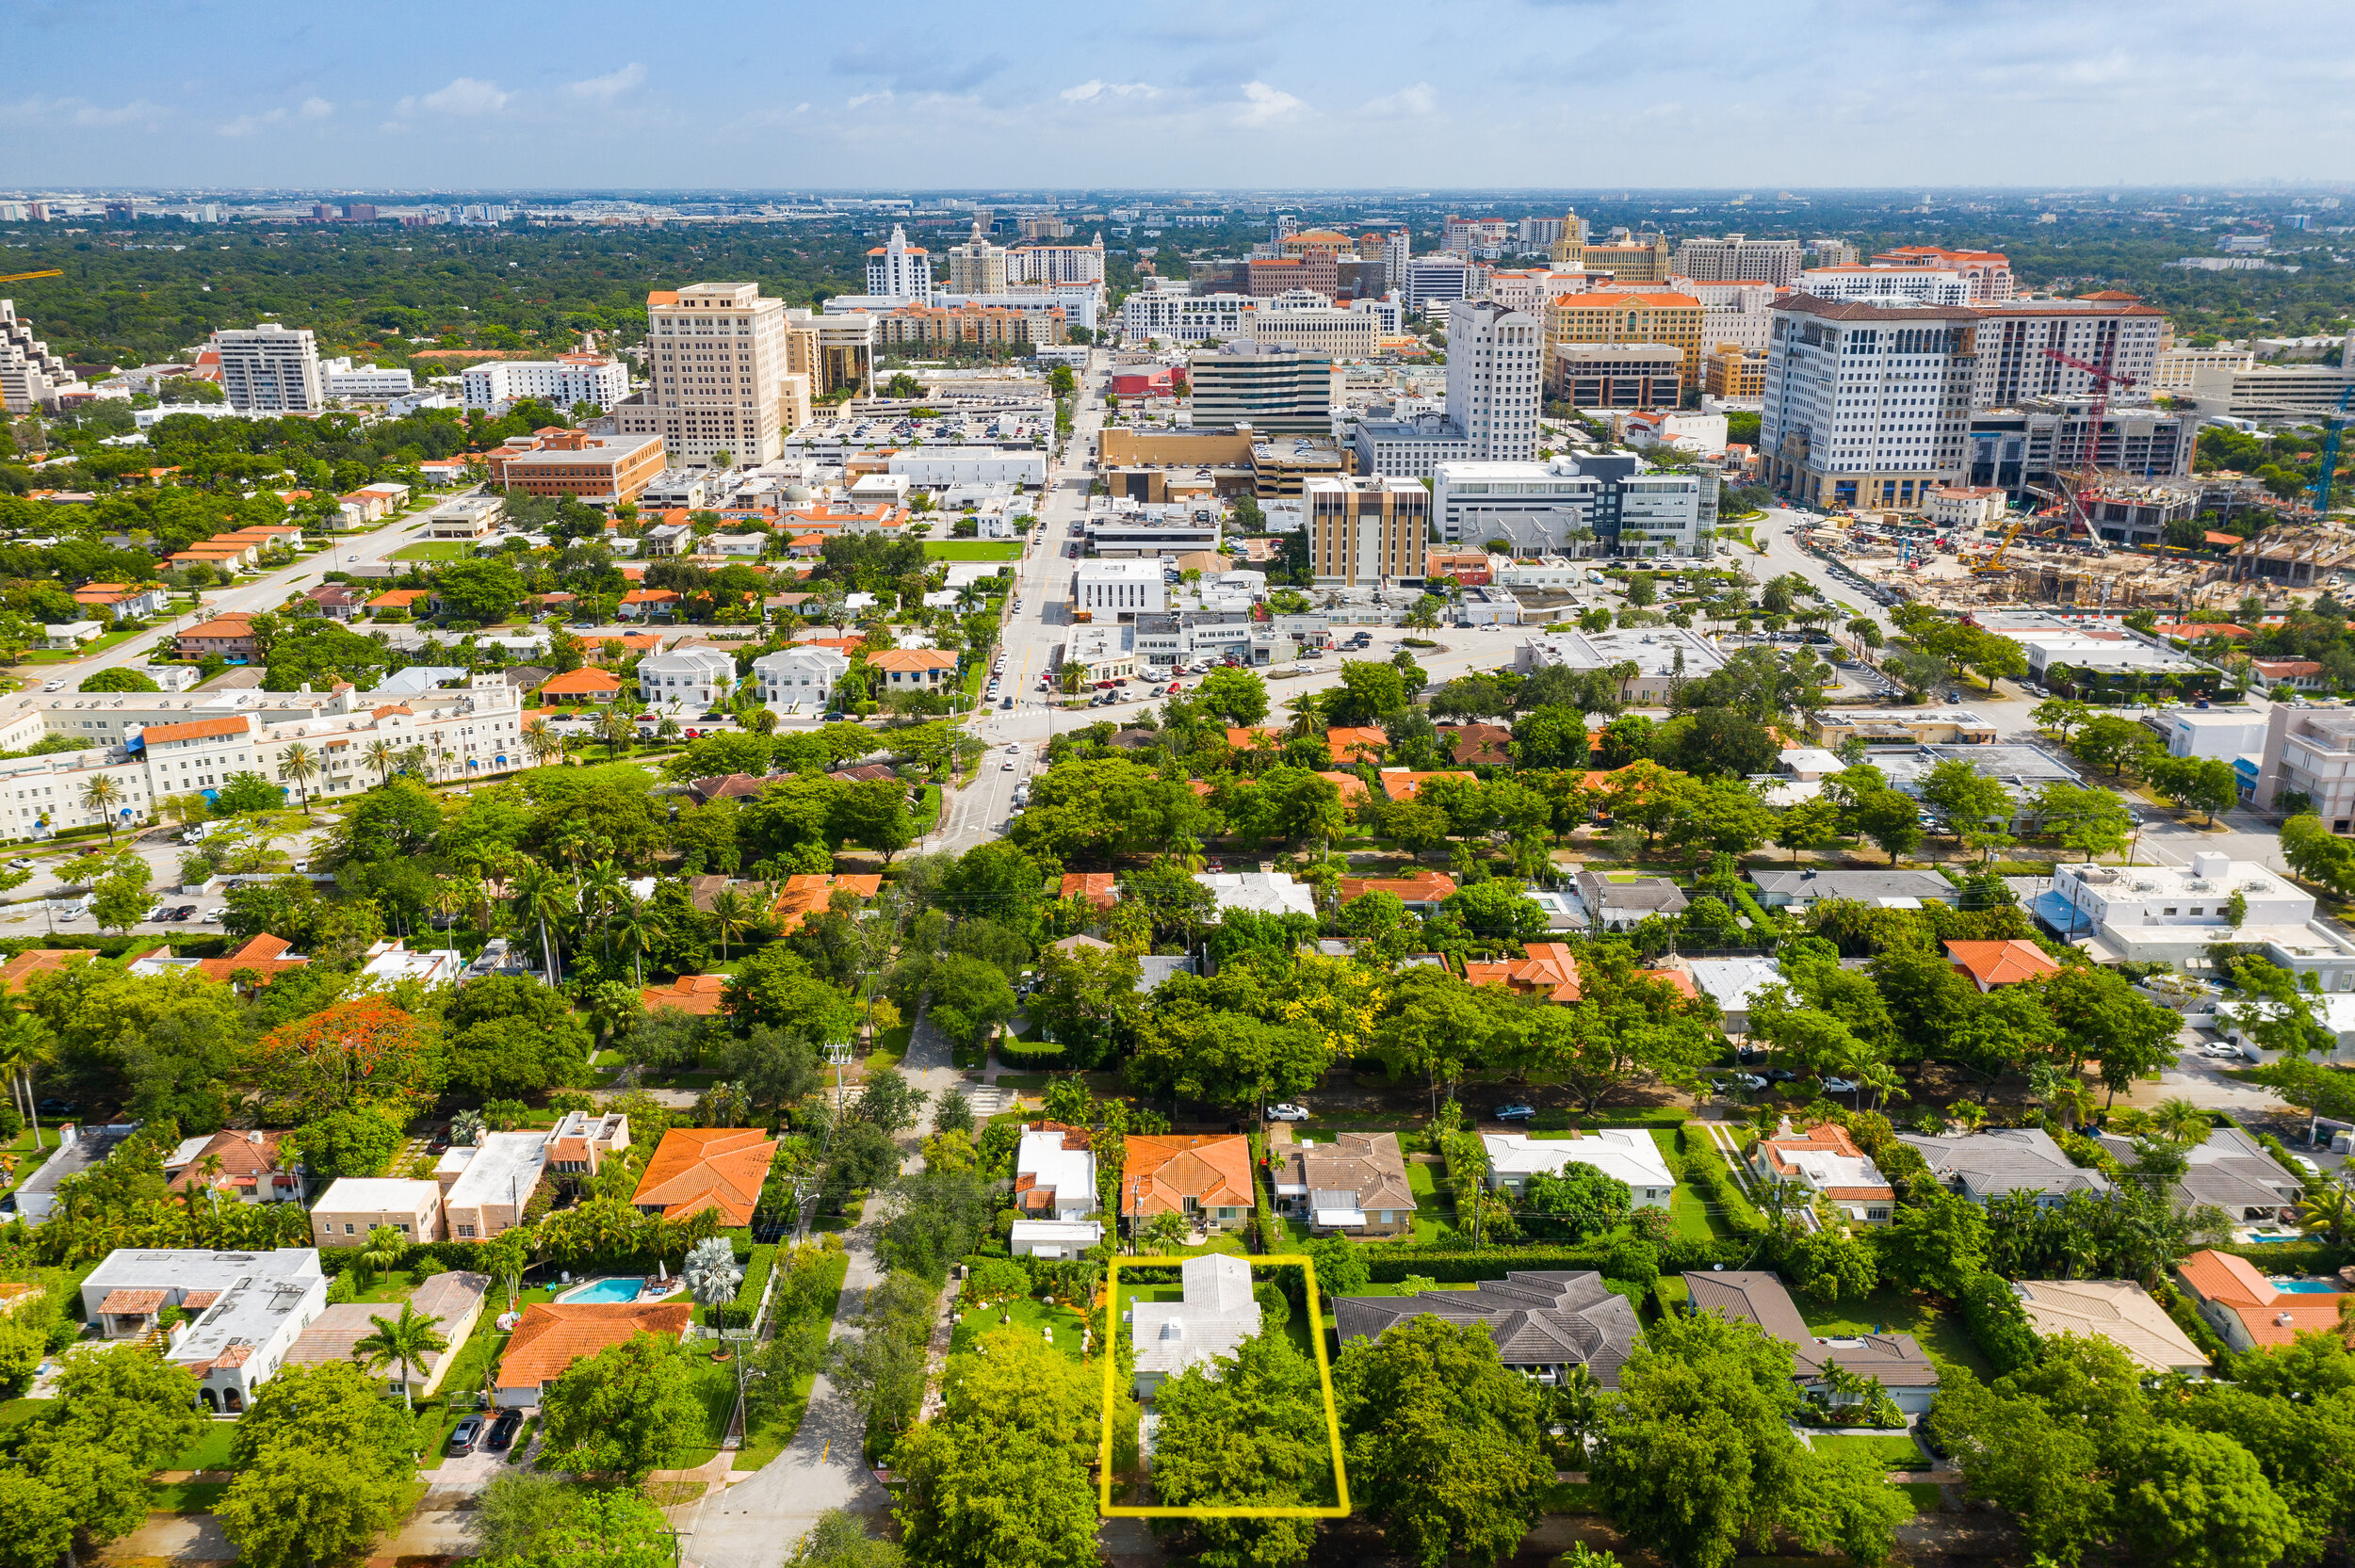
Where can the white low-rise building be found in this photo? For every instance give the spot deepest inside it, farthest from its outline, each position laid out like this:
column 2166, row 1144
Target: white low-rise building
column 1119, row 590
column 564, row 381
column 800, row 676
column 1663, row 657
column 2175, row 913
column 693, row 677
column 1055, row 1175
column 1105, row 652
column 937, row 467
column 1216, row 1315
column 1627, row 1154
column 1260, row 892
column 246, row 1311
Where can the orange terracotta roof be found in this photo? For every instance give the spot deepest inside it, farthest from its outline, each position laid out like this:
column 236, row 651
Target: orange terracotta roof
column 696, row 993
column 1100, row 888
column 551, row 1336
column 649, row 596
column 37, row 961
column 1163, row 1172
column 1254, row 736
column 2001, row 962
column 583, row 680
column 226, row 625
column 398, row 598
column 132, row 1302
column 1353, row 788
column 1551, row 969
column 700, row 1168
column 912, row 659
column 242, row 1160
column 1423, row 887
column 1400, row 785
column 2270, row 1315
column 196, row 729
column 1355, row 743
column 810, row 892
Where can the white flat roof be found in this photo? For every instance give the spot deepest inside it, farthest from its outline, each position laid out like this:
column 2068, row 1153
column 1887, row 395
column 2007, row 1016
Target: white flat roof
column 382, row 1193
column 1627, row 1153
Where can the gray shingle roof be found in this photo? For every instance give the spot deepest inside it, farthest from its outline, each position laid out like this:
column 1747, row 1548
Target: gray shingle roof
column 1753, row 1296
column 1538, row 1319
column 2009, row 1159
column 2229, row 1169
column 1863, row 885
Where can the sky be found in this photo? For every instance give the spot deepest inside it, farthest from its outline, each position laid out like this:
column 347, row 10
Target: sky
column 1177, row 94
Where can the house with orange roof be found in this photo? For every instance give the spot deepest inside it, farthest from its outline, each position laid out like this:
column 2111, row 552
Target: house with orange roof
column 230, row 637
column 1348, row 745
column 697, row 993
column 2196, row 631
column 122, row 601
column 263, row 956
column 2249, row 1310
column 1993, row 963
column 553, row 1335
column 809, row 893
column 641, row 604
column 246, row 1165
column 1203, row 1179
column 1550, row 971
column 1400, row 783
column 1423, row 892
column 17, row 974
column 1099, row 888
column 580, row 685
column 1825, row 1161
column 1254, row 737
column 1353, row 788
column 1478, row 745
column 917, row 668
column 402, row 599
column 695, row 1169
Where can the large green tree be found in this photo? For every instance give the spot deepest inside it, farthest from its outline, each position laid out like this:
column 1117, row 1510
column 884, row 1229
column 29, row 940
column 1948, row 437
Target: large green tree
column 622, row 1412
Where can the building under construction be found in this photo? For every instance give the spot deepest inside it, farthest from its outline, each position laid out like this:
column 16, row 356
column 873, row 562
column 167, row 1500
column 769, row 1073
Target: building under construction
column 2304, row 556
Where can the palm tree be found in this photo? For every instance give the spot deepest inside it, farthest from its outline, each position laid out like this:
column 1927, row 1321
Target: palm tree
column 466, row 1128
column 505, row 1255
column 297, row 764
column 380, row 754
column 2329, row 1209
column 101, row 796
column 442, row 753
column 407, row 1339
column 601, row 888
column 731, row 912
column 413, row 758
column 633, row 922
column 616, row 729
column 540, row 742
column 24, row 1045
column 539, row 897
column 2072, row 1098
column 763, row 720
column 384, row 1248
column 2181, row 1121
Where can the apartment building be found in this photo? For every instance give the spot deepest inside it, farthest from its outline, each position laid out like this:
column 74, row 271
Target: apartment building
column 802, row 676
column 1737, row 258
column 1866, row 403
column 2310, row 752
column 1607, row 502
column 30, row 376
column 1733, row 373
column 1119, row 590
column 1365, row 532
column 1927, row 286
column 718, row 365
column 977, row 267
column 1738, row 313
column 922, row 326
column 565, row 382
column 367, row 384
column 1274, row 390
column 604, row 470
column 1033, row 266
column 898, row 271
column 1188, row 318
column 1496, row 380
column 1675, row 319
column 2176, row 914
column 353, row 1205
column 2018, row 341
column 271, row 369
column 692, row 677
column 1986, row 272
column 1532, row 288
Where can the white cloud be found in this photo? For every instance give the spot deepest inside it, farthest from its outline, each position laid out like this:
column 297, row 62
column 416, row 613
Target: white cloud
column 883, row 96
column 465, row 96
column 1415, row 102
column 315, row 108
column 246, row 125
column 1264, row 105
column 611, row 85
column 80, row 111
column 1089, row 91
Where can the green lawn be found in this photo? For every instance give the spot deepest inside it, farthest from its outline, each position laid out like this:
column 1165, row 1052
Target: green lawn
column 1894, row 1451
column 1029, row 1315
column 1898, row 1312
column 433, row 549
column 1923, row 1495
column 1569, row 1498
column 974, row 549
column 891, row 1047
column 210, row 1451
column 765, row 1441
column 184, row 1497
column 714, row 1386
column 1688, row 1207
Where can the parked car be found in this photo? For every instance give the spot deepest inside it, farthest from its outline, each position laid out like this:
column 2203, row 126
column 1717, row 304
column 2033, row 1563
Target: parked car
column 2220, row 1052
column 1213, row 865
column 1840, row 1085
column 20, row 863
column 1514, row 1113
column 1287, row 1113
column 153, row 915
column 464, row 1435
column 1738, row 1082
column 503, row 1430
column 213, row 916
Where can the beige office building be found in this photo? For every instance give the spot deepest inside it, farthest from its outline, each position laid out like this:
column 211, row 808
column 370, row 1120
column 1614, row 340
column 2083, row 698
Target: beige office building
column 718, row 371
column 977, row 267
column 1362, row 532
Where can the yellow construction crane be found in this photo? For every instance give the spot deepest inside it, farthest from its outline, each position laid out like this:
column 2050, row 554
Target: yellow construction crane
column 1994, row 562
column 21, row 277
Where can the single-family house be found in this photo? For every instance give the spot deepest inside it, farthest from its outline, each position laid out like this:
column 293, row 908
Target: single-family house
column 353, row 1205
column 335, row 601
column 491, row 1183
column 803, row 676
column 647, row 604
column 1894, row 1360
column 1824, row 1162
column 246, row 1311
column 1216, row 1314
column 1626, row 1154
column 693, row 1168
column 1892, row 889
column 243, row 1164
column 2006, row 963
column 1544, row 1322
column 808, row 893
column 582, row 686
column 1260, row 892
column 1100, row 889
column 553, row 1335
column 1351, row 1183
column 1617, row 901
column 914, row 669
column 2249, row 1310
column 1733, row 984
column 261, row 958
column 1203, row 1179
column 693, row 677
column 2004, row 1160
column 2228, row 1170
column 2119, row 1311
column 1423, row 892
column 79, row 1149
column 1350, row 744
column 1404, row 784
column 1478, row 745
column 1054, row 1192
column 701, row 995
column 452, row 1301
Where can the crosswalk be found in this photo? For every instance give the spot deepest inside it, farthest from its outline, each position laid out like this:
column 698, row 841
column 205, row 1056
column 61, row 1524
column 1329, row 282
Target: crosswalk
column 988, row 1100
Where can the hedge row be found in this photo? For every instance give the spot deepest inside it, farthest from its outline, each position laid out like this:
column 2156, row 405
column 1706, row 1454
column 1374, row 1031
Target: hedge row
column 1032, row 1056
column 1454, row 1265
column 1705, row 1173
column 1991, row 1314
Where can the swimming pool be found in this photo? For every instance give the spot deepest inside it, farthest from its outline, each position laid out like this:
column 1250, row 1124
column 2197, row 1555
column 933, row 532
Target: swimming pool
column 615, row 1287
column 2307, row 1288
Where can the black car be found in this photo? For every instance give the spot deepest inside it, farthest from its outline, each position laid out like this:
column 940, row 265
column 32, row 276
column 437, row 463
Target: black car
column 503, row 1430
column 55, row 1107
column 1781, row 1075
column 464, row 1436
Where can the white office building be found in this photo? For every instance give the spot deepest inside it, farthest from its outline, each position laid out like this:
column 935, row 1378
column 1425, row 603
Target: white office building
column 1496, row 380
column 564, row 381
column 367, row 383
column 271, row 369
column 1867, row 403
column 1119, row 590
column 1437, row 279
column 1187, row 318
column 1737, row 258
column 899, row 271
column 1597, row 503
column 1926, row 285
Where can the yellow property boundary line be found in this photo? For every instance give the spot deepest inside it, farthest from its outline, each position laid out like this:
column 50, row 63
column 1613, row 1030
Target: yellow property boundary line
column 1325, row 1378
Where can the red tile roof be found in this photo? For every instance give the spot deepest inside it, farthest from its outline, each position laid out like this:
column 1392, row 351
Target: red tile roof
column 1423, row 887
column 1162, row 1172
column 1100, row 888
column 699, row 1168
column 552, row 1336
column 37, row 961
column 696, row 993
column 1355, row 743
column 2269, row 1315
column 1993, row 963
column 196, row 729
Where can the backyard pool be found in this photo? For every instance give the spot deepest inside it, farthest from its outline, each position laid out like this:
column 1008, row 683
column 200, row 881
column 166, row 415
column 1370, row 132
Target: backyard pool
column 2307, row 1288
column 615, row 1287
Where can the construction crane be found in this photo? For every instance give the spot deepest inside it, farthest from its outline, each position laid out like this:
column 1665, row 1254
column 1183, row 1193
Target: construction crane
column 26, row 277
column 2331, row 427
column 1994, row 562
column 2103, row 378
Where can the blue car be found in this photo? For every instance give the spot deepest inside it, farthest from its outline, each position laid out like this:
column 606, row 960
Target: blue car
column 1514, row 1113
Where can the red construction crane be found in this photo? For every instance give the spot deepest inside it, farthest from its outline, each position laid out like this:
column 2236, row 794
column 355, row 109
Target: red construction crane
column 2103, row 378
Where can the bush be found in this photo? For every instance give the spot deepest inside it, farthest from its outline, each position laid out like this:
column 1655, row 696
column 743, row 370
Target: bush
column 1457, row 1264
column 1992, row 1317
column 1030, row 1055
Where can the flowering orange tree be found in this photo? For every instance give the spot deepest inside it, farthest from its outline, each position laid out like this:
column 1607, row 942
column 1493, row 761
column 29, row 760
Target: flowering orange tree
column 361, row 1052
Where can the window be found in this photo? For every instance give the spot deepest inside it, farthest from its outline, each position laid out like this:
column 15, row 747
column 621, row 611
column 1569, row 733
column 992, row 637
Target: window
column 347, row 1230
column 466, row 1231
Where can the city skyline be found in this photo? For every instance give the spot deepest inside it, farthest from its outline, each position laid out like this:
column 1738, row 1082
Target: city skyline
column 1519, row 94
